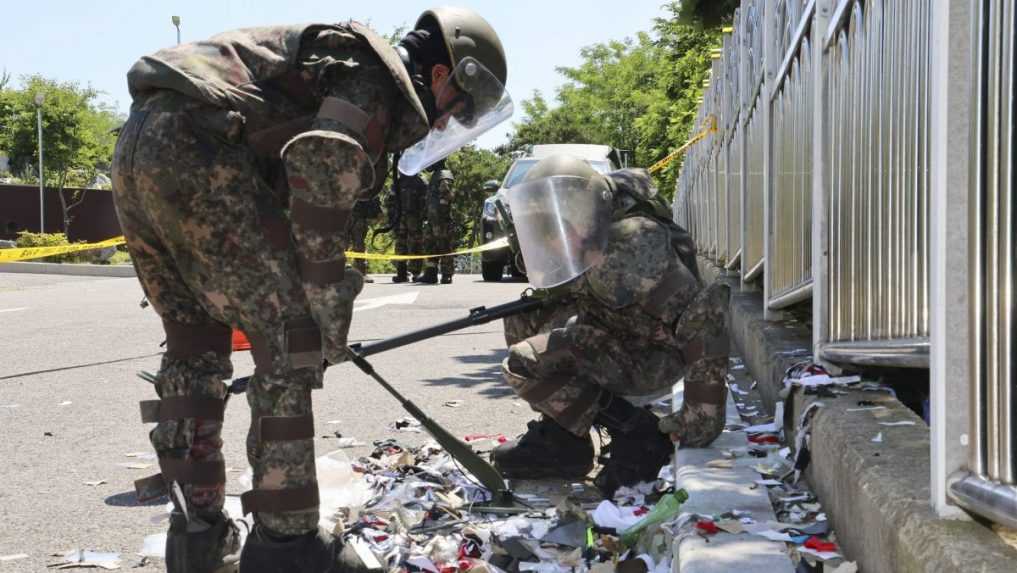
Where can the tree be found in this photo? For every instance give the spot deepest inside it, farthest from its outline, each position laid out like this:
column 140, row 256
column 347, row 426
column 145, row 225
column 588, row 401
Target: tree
column 706, row 13
column 77, row 135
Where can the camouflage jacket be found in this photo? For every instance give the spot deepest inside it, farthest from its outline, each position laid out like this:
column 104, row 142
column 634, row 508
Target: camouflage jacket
column 642, row 285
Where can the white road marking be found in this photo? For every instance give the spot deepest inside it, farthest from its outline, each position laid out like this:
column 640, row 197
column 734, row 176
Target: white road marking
column 378, row 302
column 2, row 310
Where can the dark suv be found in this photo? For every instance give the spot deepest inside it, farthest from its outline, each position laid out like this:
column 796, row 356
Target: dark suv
column 603, row 158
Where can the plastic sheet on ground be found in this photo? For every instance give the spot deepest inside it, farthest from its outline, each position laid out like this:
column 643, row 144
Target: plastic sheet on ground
column 86, row 558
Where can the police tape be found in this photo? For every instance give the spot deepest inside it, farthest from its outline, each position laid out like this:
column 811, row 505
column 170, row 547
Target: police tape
column 711, row 128
column 24, row 254
column 495, row 244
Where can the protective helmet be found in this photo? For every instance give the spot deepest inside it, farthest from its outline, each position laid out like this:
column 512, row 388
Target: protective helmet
column 467, row 35
column 561, row 211
column 478, row 100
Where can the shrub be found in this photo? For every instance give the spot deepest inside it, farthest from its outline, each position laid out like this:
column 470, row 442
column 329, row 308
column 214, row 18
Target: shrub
column 27, row 239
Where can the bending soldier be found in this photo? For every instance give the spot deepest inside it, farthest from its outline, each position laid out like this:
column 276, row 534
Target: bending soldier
column 440, row 229
column 642, row 320
column 235, row 176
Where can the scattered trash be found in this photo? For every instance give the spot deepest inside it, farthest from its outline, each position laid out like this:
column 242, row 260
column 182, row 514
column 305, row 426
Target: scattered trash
column 135, row 466
column 14, row 557
column 453, row 403
column 878, row 439
column 349, row 443
column 141, row 455
column 85, row 558
column 406, row 425
column 762, row 428
column 768, row 482
column 65, row 403
column 333, row 422
column 900, row 423
column 95, row 483
column 707, row 527
column 48, row 434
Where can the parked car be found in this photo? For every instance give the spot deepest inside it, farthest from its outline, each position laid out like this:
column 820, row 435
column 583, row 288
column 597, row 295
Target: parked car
column 603, row 158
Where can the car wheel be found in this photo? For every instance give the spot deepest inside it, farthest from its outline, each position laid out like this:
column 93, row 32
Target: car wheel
column 492, row 271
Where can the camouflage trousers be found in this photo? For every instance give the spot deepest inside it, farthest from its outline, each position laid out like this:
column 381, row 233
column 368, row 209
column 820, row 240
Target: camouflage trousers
column 563, row 373
column 196, row 216
column 440, row 237
column 409, row 237
column 356, row 237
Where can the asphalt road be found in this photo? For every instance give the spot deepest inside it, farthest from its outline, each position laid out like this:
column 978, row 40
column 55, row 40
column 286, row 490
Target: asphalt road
column 71, row 347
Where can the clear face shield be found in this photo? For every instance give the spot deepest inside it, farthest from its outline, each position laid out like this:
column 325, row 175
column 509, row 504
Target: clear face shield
column 472, row 102
column 562, row 224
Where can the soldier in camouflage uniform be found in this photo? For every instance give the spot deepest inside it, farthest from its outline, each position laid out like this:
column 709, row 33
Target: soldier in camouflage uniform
column 642, row 321
column 235, row 176
column 409, row 203
column 440, row 228
column 366, row 212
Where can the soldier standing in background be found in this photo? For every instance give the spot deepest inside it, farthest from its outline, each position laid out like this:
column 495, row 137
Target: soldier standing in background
column 408, row 203
column 440, row 227
column 366, row 212
column 234, row 180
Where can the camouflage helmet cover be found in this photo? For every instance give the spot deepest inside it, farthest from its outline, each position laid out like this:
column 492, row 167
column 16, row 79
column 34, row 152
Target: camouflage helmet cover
column 467, row 35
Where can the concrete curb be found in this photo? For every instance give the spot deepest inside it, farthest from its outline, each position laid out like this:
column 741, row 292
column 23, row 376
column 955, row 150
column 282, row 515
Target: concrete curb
column 84, row 270
column 713, row 491
column 876, row 494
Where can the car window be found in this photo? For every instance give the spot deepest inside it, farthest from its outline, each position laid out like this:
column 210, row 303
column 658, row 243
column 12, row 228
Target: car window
column 518, row 171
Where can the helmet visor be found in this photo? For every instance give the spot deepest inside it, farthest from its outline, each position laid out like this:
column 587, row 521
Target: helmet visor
column 562, row 223
column 472, row 102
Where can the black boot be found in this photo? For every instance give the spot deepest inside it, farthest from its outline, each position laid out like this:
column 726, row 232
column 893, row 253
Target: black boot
column 202, row 545
column 638, row 449
column 546, row 450
column 429, row 277
column 446, row 279
column 400, row 276
column 315, row 552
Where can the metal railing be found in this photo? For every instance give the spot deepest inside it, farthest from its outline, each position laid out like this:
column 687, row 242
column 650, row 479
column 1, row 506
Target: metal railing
column 790, row 261
column 988, row 485
column 876, row 118
column 869, row 64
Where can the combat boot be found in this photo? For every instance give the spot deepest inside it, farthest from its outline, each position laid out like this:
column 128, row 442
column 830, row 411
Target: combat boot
column 314, row 552
column 400, row 276
column 546, row 450
column 446, row 279
column 637, row 450
column 429, row 276
column 202, row 546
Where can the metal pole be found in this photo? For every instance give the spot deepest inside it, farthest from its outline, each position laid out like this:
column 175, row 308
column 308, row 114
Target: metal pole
column 38, row 117
column 176, row 24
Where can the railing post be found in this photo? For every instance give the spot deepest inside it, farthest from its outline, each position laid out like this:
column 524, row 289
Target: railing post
column 820, row 197
column 950, row 302
column 771, row 60
column 744, row 104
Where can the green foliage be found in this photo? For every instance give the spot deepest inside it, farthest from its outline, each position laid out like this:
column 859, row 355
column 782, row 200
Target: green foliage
column 638, row 95
column 77, row 134
column 706, row 13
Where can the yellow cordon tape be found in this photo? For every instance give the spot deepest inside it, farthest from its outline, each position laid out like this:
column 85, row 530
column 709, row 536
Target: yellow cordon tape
column 23, row 254
column 11, row 255
column 496, row 244
column 711, row 128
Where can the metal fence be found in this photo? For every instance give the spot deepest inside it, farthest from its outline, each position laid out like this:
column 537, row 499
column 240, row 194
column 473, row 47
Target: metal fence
column 869, row 64
column 988, row 484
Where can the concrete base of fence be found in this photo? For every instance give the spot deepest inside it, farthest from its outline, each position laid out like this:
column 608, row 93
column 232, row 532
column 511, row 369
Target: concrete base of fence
column 69, row 269
column 876, row 494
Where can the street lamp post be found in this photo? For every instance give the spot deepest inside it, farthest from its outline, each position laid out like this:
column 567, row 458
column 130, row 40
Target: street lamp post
column 176, row 23
column 39, row 98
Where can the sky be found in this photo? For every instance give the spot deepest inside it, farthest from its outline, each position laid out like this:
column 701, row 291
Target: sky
column 97, row 42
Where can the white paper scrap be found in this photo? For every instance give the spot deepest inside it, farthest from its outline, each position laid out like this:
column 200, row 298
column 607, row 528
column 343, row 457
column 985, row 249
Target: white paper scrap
column 900, row 423
column 821, row 555
column 770, row 428
column 878, row 439
column 768, row 482
column 866, row 409
column 14, row 557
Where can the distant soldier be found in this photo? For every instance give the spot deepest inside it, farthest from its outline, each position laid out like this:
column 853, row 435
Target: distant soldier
column 407, row 207
column 440, row 228
column 641, row 320
column 366, row 212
